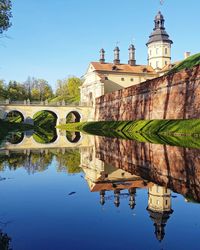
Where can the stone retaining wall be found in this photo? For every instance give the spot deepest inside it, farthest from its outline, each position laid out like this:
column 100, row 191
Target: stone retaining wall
column 176, row 96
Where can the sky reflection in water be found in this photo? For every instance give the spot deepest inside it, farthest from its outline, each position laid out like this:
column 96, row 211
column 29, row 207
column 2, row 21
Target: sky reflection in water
column 108, row 194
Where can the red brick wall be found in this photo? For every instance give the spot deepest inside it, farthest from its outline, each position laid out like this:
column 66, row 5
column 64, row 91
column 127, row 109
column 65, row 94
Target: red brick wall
column 176, row 96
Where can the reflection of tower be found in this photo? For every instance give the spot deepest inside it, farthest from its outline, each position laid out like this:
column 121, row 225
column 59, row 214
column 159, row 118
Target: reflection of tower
column 102, row 197
column 132, row 192
column 117, row 197
column 159, row 207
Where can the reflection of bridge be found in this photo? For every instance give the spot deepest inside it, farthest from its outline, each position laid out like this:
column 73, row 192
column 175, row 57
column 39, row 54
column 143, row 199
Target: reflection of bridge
column 60, row 110
column 29, row 143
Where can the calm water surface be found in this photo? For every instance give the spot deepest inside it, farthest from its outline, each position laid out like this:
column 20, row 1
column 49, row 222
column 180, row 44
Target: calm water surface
column 98, row 193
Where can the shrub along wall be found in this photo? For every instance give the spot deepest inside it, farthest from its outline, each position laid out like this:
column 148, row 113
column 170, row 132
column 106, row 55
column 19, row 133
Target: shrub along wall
column 173, row 96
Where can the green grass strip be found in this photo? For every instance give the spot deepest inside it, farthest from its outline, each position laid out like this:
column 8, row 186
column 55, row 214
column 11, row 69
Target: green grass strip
column 184, row 133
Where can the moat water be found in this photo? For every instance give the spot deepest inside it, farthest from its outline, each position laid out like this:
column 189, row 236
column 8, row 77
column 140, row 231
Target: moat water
column 98, row 193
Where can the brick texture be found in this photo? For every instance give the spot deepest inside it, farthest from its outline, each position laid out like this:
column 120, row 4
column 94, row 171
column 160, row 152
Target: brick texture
column 176, row 96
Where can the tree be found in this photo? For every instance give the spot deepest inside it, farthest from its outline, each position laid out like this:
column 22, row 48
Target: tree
column 73, row 88
column 68, row 89
column 5, row 15
column 16, row 91
column 45, row 90
column 37, row 89
column 3, row 92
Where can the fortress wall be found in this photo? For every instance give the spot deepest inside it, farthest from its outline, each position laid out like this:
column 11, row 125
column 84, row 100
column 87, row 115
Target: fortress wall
column 176, row 96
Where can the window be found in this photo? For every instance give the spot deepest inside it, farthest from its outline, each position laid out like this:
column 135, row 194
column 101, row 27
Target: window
column 166, row 202
column 150, row 52
column 106, row 78
column 132, row 79
column 156, row 51
column 157, row 64
column 165, row 51
column 165, row 62
column 122, row 79
column 158, row 202
column 158, row 189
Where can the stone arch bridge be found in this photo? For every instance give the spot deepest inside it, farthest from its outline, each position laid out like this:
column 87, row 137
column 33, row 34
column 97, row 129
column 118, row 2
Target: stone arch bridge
column 28, row 143
column 27, row 111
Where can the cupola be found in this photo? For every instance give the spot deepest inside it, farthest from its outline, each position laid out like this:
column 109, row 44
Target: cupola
column 102, row 56
column 131, row 60
column 116, row 56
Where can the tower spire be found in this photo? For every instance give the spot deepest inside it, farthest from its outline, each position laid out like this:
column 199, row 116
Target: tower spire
column 159, row 44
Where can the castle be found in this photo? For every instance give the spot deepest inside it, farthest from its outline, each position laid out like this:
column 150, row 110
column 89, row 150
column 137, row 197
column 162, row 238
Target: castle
column 103, row 77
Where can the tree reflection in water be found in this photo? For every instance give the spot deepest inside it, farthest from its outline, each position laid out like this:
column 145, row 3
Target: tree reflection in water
column 4, row 241
column 39, row 160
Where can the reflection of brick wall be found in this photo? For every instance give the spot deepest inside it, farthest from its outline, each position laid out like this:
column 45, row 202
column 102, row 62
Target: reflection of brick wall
column 175, row 167
column 176, row 96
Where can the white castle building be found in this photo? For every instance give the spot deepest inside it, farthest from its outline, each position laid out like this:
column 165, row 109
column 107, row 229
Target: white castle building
column 104, row 77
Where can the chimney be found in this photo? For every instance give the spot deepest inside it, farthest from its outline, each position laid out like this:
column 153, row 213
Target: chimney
column 102, row 56
column 187, row 54
column 131, row 60
column 116, row 56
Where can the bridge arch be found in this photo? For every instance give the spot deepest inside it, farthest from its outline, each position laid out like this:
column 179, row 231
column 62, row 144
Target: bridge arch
column 14, row 116
column 16, row 138
column 42, row 114
column 73, row 116
column 47, row 124
column 73, row 137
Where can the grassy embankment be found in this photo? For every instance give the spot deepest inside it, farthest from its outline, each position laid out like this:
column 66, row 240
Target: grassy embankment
column 188, row 63
column 184, row 133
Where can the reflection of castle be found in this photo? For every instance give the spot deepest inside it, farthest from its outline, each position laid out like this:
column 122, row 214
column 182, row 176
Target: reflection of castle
column 159, row 208
column 102, row 177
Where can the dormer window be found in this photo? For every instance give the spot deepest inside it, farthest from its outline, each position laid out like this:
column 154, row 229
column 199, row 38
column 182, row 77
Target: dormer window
column 144, row 70
column 114, row 67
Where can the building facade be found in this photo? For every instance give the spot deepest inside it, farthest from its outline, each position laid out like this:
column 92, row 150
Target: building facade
column 104, row 77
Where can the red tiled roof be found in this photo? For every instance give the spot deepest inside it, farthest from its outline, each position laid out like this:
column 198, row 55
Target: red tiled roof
column 129, row 184
column 123, row 68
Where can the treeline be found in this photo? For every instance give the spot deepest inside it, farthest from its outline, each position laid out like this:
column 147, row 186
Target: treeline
column 34, row 89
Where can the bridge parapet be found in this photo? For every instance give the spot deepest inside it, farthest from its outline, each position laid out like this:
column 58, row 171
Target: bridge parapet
column 43, row 103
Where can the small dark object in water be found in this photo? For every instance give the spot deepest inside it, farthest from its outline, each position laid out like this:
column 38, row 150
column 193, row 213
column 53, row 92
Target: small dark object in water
column 71, row 193
column 174, row 196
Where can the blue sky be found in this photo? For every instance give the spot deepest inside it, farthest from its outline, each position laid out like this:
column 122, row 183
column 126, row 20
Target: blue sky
column 54, row 39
